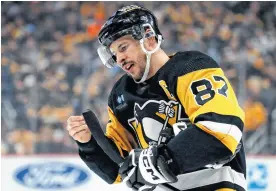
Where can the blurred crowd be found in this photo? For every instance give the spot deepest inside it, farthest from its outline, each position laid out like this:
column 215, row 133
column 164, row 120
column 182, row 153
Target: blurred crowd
column 50, row 68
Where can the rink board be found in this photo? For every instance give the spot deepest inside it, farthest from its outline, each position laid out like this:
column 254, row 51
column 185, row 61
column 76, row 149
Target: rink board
column 69, row 173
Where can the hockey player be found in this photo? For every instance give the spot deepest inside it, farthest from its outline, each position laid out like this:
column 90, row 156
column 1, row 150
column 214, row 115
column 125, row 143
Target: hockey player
column 174, row 119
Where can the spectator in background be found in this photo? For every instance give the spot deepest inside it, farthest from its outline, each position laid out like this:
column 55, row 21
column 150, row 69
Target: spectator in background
column 255, row 112
column 20, row 141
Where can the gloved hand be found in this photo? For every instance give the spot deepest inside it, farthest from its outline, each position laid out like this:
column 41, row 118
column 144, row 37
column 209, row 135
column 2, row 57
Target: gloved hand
column 143, row 169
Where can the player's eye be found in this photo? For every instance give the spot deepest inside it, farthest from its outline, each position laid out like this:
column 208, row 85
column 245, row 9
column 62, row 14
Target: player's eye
column 123, row 48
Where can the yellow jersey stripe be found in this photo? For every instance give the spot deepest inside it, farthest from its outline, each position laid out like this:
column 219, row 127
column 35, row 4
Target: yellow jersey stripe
column 119, row 135
column 229, row 141
column 227, row 129
column 118, row 179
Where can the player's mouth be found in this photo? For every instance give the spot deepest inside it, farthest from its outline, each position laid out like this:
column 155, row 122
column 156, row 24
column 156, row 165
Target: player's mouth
column 127, row 67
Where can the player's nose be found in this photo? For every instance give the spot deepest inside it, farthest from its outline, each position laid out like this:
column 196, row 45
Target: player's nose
column 121, row 58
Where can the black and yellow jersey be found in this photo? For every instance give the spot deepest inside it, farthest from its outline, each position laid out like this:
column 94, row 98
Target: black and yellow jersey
column 189, row 88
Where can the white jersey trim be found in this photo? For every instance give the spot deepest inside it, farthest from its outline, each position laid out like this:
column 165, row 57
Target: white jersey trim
column 209, row 176
column 227, row 129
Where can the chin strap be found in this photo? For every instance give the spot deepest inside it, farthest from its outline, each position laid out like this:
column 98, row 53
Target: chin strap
column 148, row 55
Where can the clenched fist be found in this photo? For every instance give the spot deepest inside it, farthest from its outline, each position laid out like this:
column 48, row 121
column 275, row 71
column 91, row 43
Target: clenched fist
column 78, row 129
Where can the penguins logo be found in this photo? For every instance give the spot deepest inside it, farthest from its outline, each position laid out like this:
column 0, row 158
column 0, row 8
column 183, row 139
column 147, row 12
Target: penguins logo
column 153, row 117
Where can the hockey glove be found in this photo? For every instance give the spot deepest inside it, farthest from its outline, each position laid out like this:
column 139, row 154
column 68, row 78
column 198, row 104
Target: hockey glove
column 143, row 169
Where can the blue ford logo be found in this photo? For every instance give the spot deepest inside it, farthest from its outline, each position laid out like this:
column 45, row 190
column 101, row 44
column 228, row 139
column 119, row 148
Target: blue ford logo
column 51, row 175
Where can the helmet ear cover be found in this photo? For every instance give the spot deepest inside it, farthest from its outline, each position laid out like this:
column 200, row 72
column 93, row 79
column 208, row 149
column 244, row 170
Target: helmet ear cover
column 137, row 33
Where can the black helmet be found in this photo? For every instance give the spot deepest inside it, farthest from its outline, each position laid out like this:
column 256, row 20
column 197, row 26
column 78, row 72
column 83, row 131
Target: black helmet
column 128, row 20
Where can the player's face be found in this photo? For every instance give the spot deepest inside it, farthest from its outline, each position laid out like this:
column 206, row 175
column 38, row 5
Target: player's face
column 130, row 56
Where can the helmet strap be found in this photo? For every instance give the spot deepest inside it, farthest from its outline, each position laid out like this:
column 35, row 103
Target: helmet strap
column 148, row 57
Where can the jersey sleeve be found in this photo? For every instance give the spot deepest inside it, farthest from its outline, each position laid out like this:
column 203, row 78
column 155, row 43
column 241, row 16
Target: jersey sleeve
column 216, row 117
column 97, row 160
column 212, row 105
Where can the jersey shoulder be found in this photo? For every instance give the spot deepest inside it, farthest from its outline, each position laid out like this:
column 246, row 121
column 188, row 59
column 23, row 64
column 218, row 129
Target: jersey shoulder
column 183, row 63
column 189, row 61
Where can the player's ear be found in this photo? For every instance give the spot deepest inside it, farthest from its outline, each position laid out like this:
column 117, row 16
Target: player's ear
column 150, row 40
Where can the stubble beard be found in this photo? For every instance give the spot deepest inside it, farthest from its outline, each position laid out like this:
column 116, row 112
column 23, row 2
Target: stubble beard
column 141, row 63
